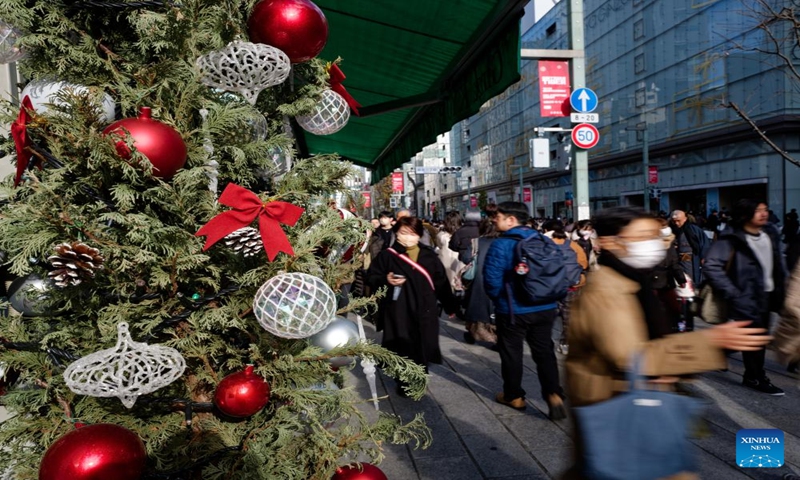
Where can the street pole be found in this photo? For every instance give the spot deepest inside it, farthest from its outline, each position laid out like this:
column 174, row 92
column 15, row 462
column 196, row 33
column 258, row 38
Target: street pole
column 469, row 194
column 580, row 167
column 521, row 197
column 646, row 167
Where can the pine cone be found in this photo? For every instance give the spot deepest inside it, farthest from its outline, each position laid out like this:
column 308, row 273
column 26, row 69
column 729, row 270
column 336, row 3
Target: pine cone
column 246, row 241
column 74, row 263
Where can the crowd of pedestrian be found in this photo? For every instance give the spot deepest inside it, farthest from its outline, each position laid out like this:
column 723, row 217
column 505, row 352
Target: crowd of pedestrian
column 628, row 285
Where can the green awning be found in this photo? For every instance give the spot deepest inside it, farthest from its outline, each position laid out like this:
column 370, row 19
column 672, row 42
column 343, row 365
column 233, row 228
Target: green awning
column 417, row 67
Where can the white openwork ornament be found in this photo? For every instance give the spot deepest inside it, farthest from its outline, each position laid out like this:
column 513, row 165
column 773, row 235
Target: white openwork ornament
column 128, row 370
column 294, row 305
column 244, row 67
column 329, row 116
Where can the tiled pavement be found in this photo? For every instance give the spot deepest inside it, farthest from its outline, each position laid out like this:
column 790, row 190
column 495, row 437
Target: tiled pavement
column 475, row 438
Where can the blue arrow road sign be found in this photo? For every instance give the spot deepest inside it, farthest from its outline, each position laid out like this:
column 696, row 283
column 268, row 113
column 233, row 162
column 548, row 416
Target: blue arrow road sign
column 583, row 100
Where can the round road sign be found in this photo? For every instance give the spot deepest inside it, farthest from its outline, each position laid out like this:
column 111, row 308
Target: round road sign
column 585, row 136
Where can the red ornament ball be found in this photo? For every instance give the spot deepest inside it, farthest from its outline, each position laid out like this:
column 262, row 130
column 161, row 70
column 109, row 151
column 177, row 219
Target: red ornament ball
column 297, row 27
column 96, row 452
column 242, row 394
column 157, row 141
column 351, row 472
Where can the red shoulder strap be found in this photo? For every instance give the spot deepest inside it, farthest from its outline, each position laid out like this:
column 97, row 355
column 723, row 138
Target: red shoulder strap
column 414, row 266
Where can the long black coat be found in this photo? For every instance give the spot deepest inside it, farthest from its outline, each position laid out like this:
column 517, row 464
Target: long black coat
column 410, row 324
column 669, row 273
column 743, row 285
column 478, row 307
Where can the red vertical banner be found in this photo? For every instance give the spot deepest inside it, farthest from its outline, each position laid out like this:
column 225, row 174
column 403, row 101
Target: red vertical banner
column 433, row 207
column 527, row 195
column 473, row 201
column 652, row 175
column 367, row 199
column 397, row 182
column 554, row 88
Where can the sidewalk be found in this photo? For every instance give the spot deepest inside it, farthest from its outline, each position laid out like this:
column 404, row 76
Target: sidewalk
column 475, row 438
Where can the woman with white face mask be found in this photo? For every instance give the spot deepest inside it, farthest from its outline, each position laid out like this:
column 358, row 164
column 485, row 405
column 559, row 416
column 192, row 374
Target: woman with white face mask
column 668, row 275
column 415, row 279
column 618, row 315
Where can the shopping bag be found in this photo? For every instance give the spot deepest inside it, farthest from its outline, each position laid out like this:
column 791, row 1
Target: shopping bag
column 638, row 435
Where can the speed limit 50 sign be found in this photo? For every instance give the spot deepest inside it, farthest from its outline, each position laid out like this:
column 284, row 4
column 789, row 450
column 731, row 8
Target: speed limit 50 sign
column 585, row 136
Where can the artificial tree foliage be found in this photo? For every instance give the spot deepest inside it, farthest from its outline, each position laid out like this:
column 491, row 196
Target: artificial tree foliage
column 156, row 276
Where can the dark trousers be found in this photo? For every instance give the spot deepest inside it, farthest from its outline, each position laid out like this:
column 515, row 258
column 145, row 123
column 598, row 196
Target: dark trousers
column 537, row 329
column 754, row 361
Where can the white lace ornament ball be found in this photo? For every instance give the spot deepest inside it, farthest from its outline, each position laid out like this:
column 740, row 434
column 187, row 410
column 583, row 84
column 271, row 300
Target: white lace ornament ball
column 329, row 116
column 44, row 93
column 244, row 67
column 294, row 305
column 9, row 51
column 128, row 370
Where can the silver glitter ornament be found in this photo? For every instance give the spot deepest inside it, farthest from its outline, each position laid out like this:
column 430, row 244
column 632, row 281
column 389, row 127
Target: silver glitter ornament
column 29, row 295
column 339, row 333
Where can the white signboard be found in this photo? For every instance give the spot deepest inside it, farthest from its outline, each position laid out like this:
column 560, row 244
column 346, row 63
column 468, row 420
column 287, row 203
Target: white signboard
column 584, row 117
column 426, row 170
column 539, row 152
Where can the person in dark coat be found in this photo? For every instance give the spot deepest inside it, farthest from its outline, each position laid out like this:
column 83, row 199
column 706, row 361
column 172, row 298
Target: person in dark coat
column 790, row 226
column 692, row 245
column 460, row 241
column 410, row 319
column 712, row 223
column 382, row 237
column 745, row 266
column 478, row 307
column 667, row 275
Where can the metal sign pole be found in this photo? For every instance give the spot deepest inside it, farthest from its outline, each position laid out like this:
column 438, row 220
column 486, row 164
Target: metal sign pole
column 580, row 165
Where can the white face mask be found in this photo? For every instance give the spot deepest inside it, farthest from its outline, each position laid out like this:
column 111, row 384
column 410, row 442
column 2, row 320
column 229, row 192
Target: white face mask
column 407, row 240
column 644, row 255
column 385, row 221
column 586, row 233
column 666, row 232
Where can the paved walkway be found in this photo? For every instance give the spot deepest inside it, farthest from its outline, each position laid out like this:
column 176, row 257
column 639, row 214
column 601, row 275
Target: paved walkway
column 475, row 438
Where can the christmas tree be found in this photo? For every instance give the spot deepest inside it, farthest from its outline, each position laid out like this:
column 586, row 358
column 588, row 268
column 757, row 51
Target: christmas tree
column 161, row 251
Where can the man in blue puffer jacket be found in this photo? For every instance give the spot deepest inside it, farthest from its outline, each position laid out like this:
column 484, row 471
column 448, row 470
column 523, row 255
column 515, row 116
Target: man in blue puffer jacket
column 517, row 322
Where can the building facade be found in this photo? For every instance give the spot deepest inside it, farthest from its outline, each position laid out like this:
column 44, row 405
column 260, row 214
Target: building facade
column 673, row 67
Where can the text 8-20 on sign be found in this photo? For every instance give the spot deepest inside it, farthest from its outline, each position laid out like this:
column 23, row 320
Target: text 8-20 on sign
column 585, row 136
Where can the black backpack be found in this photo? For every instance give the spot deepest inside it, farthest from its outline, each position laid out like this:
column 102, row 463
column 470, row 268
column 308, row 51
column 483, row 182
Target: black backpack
column 540, row 274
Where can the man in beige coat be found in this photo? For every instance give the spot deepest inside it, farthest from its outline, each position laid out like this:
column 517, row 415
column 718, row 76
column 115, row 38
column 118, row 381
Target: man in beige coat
column 610, row 322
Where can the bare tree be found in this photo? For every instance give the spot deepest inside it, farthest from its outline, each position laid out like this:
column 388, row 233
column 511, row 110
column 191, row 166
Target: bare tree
column 779, row 21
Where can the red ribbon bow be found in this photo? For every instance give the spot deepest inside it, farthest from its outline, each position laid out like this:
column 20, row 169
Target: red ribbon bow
column 19, row 132
column 336, row 79
column 246, row 207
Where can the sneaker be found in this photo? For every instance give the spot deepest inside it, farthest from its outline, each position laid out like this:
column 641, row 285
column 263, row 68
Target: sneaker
column 793, row 367
column 763, row 385
column 517, row 403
